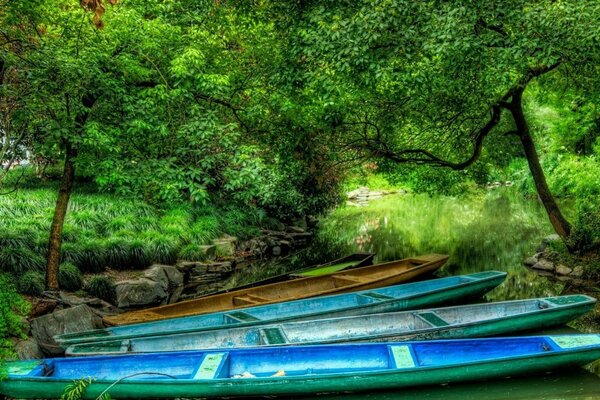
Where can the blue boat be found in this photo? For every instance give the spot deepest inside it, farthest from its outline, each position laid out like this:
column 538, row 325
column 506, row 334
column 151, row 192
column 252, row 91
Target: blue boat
column 393, row 298
column 290, row 370
column 487, row 319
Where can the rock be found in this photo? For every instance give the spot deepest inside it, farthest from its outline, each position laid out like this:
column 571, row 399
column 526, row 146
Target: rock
column 157, row 274
column 547, row 240
column 300, row 223
column 276, row 251
column 577, row 272
column 225, row 246
column 562, row 269
column 355, row 193
column 98, row 306
column 544, row 265
column 531, row 261
column 74, row 319
column 209, row 251
column 169, row 278
column 294, row 229
column 28, row 349
column 255, row 246
column 41, row 307
column 140, row 292
column 300, row 239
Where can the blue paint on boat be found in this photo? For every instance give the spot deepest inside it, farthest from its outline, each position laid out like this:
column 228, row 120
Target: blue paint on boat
column 302, row 369
column 387, row 299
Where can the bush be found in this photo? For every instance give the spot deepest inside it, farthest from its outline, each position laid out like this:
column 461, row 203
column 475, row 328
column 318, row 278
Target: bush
column 69, row 277
column 101, row 287
column 585, row 235
column 12, row 310
column 31, row 283
column 18, row 260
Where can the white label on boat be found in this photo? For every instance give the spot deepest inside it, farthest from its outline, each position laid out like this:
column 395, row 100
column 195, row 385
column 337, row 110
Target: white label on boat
column 402, row 357
column 572, row 341
column 210, row 365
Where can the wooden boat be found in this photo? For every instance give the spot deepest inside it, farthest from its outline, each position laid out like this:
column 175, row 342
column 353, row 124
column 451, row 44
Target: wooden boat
column 370, row 277
column 289, row 370
column 393, row 298
column 351, row 261
column 485, row 319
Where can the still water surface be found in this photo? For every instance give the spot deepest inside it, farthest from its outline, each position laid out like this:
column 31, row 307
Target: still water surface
column 496, row 231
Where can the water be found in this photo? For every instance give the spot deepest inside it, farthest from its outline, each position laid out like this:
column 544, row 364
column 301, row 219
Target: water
column 495, row 231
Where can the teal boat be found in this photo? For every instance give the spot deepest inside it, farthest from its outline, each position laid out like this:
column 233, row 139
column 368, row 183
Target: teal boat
column 387, row 299
column 486, row 319
column 293, row 370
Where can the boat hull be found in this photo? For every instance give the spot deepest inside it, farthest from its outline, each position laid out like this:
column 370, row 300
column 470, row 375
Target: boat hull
column 364, row 278
column 443, row 323
column 352, row 261
column 341, row 368
column 442, row 291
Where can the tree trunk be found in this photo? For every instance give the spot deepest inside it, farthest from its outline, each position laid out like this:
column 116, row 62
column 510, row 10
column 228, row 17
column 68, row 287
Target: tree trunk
column 60, row 211
column 558, row 221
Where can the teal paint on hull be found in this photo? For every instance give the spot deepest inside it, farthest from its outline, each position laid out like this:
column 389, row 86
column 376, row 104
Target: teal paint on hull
column 441, row 291
column 476, row 320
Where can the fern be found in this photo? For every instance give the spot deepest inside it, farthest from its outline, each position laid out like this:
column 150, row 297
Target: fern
column 75, row 390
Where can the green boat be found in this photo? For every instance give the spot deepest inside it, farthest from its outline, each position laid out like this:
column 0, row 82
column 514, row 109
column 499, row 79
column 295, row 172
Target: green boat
column 355, row 260
column 293, row 370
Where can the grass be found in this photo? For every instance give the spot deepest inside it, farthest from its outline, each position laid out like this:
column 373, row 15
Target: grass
column 102, row 231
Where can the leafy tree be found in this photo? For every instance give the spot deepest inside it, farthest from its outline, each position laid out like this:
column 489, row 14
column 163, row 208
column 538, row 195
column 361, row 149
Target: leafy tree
column 428, row 82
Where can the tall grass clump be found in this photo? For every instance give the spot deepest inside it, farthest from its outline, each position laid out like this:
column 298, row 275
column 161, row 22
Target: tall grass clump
column 31, row 283
column 101, row 231
column 69, row 277
column 101, row 287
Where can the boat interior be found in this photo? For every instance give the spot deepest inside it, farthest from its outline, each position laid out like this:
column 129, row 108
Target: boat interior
column 389, row 325
column 289, row 290
column 290, row 309
column 307, row 360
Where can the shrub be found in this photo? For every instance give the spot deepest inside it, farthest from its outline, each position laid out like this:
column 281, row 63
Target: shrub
column 31, row 283
column 101, row 287
column 12, row 310
column 69, row 277
column 586, row 230
column 19, row 260
column 192, row 252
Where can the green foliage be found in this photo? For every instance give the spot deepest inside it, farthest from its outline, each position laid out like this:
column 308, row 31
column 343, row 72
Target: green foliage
column 586, row 229
column 31, row 283
column 13, row 309
column 69, row 277
column 101, row 287
column 76, row 389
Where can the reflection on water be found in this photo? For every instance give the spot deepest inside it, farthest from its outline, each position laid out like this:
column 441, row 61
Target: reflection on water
column 497, row 231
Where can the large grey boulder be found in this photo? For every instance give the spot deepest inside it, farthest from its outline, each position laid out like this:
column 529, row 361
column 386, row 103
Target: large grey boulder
column 140, row 292
column 169, row 277
column 28, row 349
column 75, row 319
